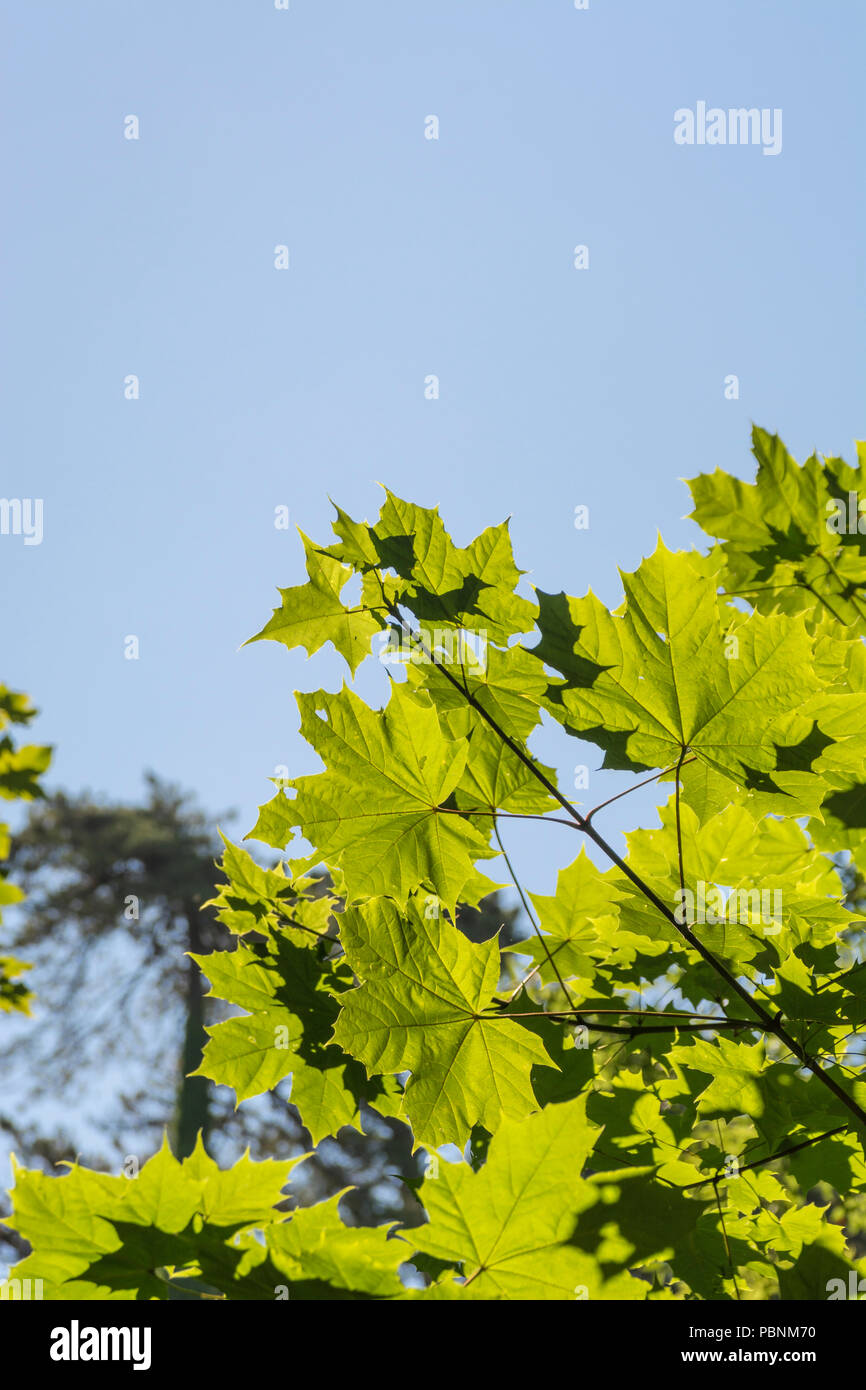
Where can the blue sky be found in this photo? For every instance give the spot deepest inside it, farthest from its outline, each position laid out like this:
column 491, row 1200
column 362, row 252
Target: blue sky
column 408, row 257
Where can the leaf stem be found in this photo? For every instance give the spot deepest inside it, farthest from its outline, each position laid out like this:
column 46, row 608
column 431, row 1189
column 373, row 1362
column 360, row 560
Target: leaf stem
column 542, row 938
column 628, row 791
column 631, row 1030
column 770, row 1158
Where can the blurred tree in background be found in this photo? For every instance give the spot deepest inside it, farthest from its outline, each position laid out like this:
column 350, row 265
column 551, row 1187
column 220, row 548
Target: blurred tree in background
column 116, row 898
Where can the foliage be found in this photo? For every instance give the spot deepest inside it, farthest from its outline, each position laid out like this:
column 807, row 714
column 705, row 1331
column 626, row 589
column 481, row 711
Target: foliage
column 114, row 915
column 662, row 1095
column 20, row 770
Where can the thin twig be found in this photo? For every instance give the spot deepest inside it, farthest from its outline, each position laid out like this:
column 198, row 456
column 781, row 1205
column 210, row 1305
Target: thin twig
column 770, row 1158
column 725, row 1238
column 628, row 791
column 542, row 938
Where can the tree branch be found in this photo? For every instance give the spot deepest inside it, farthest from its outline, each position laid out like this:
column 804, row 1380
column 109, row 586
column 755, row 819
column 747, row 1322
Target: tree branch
column 769, row 1023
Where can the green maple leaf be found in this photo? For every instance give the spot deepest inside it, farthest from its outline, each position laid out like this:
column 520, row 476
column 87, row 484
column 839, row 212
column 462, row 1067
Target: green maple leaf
column 841, row 712
column 274, row 825
column 636, row 1126
column 677, row 673
column 765, row 889
column 322, row 1258
column 292, row 1010
column 20, row 768
column 788, row 545
column 810, row 1278
column 510, row 1227
column 495, row 779
column 444, row 585
column 20, row 771
column 838, row 1161
column 150, row 1261
column 14, row 996
column 357, row 544
column 379, row 809
column 263, row 900
column 736, row 1069
column 424, row 1005
column 312, row 614
column 76, row 1224
column 636, row 1222
column 745, row 1082
column 191, row 1227
column 786, row 504
column 580, row 924
column 509, row 688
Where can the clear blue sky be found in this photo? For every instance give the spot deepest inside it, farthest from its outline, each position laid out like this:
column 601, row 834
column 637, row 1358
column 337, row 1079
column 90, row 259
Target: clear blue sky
column 408, row 256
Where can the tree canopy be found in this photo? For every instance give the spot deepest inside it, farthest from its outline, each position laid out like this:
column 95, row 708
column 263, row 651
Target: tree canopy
column 659, row 1093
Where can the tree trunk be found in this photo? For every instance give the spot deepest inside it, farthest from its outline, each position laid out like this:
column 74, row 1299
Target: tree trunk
column 192, row 1111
